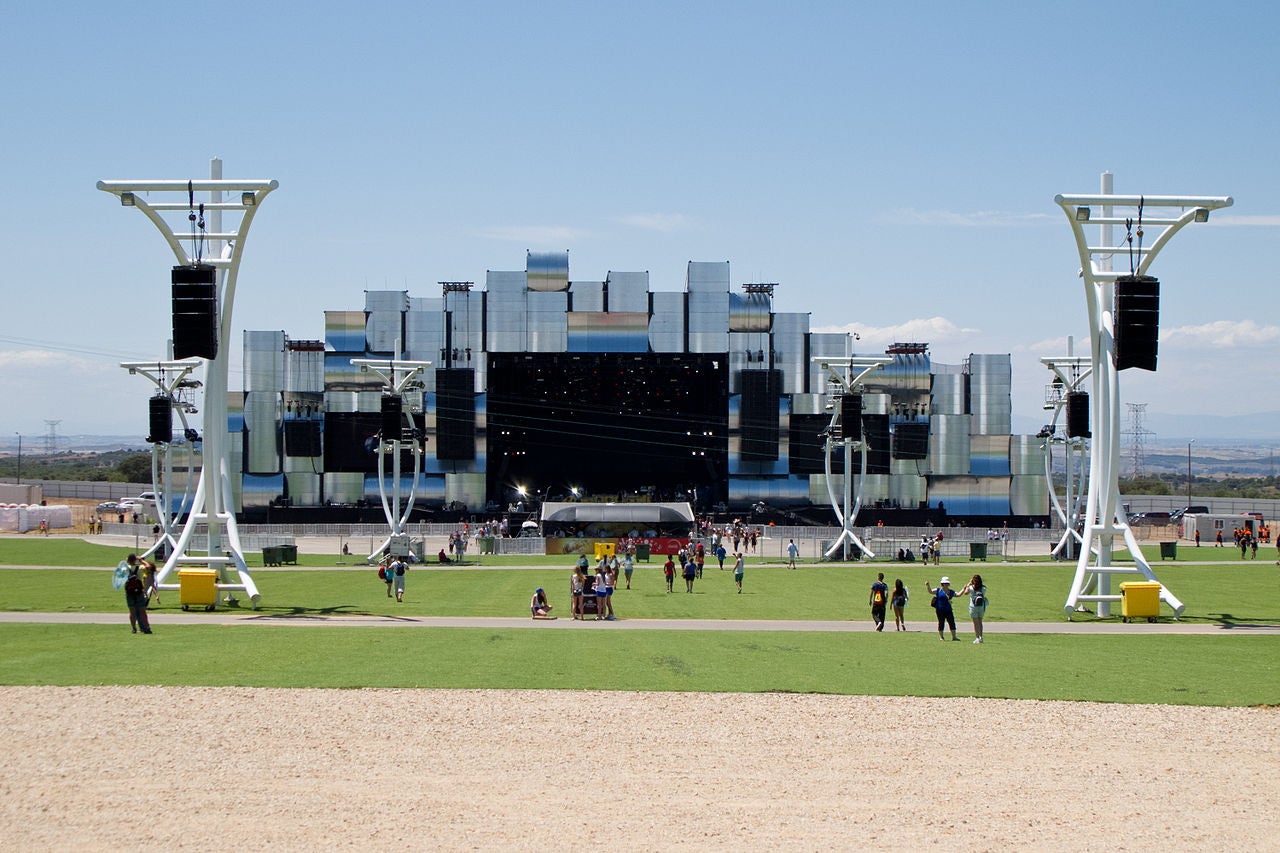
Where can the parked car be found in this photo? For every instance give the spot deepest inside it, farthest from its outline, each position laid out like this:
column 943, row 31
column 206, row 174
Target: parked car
column 108, row 506
column 1192, row 510
column 1150, row 518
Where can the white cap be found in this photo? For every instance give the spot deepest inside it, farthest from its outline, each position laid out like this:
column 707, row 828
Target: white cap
column 945, row 579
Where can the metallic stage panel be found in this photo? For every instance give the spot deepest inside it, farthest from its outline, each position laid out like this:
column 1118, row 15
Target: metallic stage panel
column 345, row 487
column 947, row 394
column 989, row 455
column 750, row 312
column 344, row 331
column 970, row 495
column 789, row 330
column 1026, row 455
column 506, row 281
column 906, row 490
column 666, row 325
column 548, row 321
column 990, row 402
column 264, row 361
column 608, row 332
column 949, row 444
column 1029, row 495
column 548, row 271
column 707, row 276
column 587, row 295
column 382, row 330
column 628, row 291
column 304, row 369
column 262, row 424
column 467, row 488
column 386, row 301
column 304, row 487
column 259, row 491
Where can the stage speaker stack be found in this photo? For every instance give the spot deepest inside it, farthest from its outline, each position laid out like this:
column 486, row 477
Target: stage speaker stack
column 875, row 431
column 1137, row 321
column 301, row 437
column 392, row 417
column 160, row 410
column 911, row 441
column 455, row 413
column 195, row 311
column 1078, row 415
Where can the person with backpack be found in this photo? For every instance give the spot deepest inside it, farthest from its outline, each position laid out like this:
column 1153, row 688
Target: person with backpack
column 977, row 593
column 135, row 593
column 941, row 602
column 395, row 572
column 878, row 600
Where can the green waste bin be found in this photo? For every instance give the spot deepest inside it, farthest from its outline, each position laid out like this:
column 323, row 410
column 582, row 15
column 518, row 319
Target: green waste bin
column 486, row 544
column 289, row 554
column 1168, row 550
column 271, row 556
column 977, row 551
column 642, row 551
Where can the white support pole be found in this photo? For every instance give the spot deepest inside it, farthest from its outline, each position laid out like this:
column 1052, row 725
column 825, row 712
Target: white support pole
column 1104, row 519
column 212, row 505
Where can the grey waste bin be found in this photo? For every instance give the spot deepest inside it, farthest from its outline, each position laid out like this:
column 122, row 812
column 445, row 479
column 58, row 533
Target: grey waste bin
column 977, row 551
column 1168, row 550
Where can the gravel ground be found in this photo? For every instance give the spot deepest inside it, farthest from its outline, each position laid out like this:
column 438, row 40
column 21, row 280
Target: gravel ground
column 226, row 768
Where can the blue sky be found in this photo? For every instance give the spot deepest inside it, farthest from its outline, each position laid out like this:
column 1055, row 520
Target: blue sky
column 892, row 167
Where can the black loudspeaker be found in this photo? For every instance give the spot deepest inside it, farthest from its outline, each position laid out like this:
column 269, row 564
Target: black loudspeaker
column 392, row 417
column 850, row 415
column 807, row 444
column 301, row 438
column 160, row 409
column 1078, row 415
column 455, row 413
column 875, row 431
column 1137, row 321
column 761, row 391
column 195, row 311
column 911, row 441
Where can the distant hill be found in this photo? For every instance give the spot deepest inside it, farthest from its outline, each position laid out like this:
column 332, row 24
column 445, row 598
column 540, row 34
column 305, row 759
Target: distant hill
column 1262, row 429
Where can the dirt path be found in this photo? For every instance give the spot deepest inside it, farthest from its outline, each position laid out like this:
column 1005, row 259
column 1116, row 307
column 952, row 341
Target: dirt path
column 224, row 768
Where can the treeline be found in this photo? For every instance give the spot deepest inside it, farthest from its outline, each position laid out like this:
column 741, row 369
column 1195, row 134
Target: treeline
column 1228, row 487
column 120, row 466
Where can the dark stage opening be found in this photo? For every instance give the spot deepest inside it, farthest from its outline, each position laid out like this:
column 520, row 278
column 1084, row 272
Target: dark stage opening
column 609, row 424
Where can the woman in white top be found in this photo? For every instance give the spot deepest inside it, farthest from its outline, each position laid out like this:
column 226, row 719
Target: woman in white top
column 977, row 592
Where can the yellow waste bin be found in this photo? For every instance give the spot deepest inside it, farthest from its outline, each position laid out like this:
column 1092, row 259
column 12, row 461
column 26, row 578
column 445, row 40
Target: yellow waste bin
column 1139, row 600
column 605, row 549
column 198, row 588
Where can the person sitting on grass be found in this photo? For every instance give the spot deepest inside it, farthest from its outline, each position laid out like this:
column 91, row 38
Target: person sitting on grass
column 443, row 557
column 538, row 605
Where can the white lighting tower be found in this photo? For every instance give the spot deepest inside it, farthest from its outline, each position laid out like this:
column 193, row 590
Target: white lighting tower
column 1104, row 517
column 212, row 505
column 398, row 375
column 845, row 377
column 1069, row 373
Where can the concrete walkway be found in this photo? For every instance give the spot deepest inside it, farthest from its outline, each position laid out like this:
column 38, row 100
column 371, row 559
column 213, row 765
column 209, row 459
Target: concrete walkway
column 229, row 617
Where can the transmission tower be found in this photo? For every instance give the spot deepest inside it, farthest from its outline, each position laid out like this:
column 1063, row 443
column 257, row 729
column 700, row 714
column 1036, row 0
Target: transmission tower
column 1137, row 433
column 51, row 438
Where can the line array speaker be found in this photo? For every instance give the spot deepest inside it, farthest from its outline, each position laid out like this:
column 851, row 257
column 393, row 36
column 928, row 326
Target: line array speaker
column 392, row 417
column 301, row 438
column 160, row 421
column 1078, row 415
column 1137, row 321
column 850, row 415
column 195, row 311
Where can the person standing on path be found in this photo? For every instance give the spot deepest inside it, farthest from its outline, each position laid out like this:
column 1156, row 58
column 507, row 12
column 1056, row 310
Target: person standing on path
column 899, row 602
column 792, row 553
column 737, row 571
column 977, row 593
column 941, row 602
column 135, row 594
column 878, row 600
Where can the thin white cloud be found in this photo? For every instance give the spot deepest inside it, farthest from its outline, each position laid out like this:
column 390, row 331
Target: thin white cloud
column 1218, row 334
column 664, row 223
column 964, row 218
column 1248, row 220
column 930, row 330
column 536, row 235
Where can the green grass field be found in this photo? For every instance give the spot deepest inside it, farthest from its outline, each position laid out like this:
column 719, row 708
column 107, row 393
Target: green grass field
column 1228, row 670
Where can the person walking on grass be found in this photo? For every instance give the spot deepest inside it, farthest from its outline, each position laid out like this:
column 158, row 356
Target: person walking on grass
column 690, row 572
column 737, row 571
column 135, row 593
column 792, row 552
column 878, row 600
column 669, row 571
column 941, row 601
column 977, row 592
column 396, row 572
